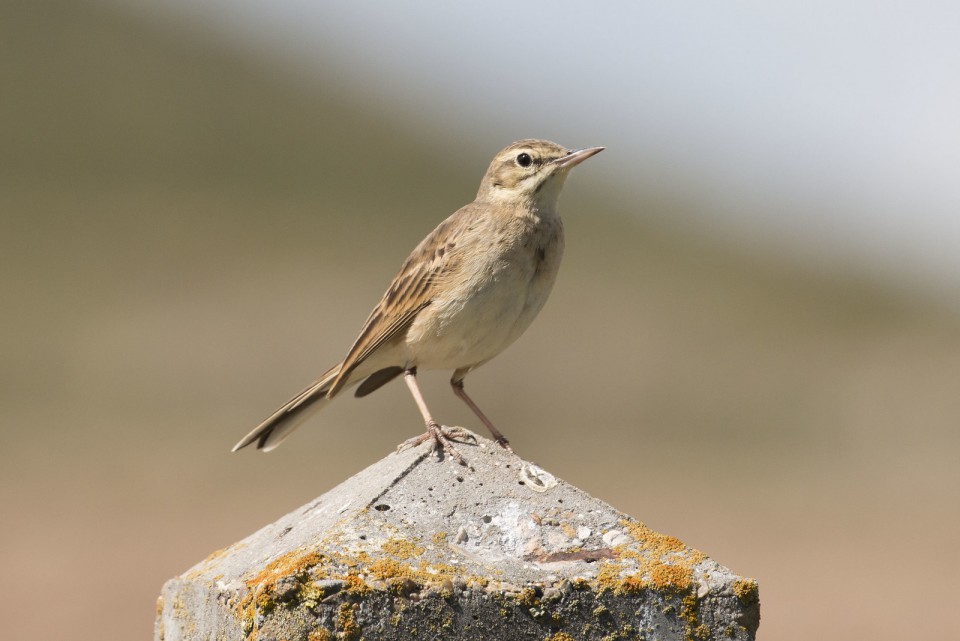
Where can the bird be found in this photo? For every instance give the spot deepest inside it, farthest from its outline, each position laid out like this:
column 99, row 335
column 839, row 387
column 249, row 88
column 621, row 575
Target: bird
column 465, row 293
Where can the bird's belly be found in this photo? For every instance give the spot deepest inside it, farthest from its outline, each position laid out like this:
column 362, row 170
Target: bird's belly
column 481, row 317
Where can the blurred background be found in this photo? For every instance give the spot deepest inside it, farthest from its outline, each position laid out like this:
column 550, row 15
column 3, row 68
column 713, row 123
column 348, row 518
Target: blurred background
column 753, row 345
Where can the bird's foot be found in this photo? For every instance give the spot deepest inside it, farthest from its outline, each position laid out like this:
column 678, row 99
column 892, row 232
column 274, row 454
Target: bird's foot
column 503, row 442
column 443, row 438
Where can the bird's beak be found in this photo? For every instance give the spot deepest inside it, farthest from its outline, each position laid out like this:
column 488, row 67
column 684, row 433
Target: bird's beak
column 574, row 158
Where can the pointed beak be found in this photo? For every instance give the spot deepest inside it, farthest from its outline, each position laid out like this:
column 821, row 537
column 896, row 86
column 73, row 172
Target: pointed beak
column 574, row 158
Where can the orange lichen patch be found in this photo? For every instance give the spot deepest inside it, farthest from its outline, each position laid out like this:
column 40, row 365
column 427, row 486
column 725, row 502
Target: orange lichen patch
column 631, row 584
column 422, row 573
column 559, row 636
column 359, row 559
column 295, row 564
column 347, row 621
column 389, row 569
column 608, row 578
column 319, row 634
column 665, row 577
column 439, row 538
column 653, row 561
column 246, row 611
column 356, row 585
column 401, row 549
column 746, row 590
column 611, row 577
column 650, row 540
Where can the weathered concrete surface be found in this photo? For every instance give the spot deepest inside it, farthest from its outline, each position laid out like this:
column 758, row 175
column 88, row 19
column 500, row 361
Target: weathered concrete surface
column 415, row 548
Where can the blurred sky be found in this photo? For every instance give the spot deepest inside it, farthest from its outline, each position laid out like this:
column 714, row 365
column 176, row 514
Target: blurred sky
column 829, row 131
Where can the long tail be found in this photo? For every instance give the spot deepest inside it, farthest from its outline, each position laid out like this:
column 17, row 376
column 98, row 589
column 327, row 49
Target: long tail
column 273, row 431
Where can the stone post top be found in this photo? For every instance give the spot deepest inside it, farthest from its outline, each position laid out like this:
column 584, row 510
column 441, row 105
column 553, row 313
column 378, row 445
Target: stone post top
column 411, row 528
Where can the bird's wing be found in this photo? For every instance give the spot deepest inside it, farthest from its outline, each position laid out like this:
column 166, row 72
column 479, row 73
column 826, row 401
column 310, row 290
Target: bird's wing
column 413, row 288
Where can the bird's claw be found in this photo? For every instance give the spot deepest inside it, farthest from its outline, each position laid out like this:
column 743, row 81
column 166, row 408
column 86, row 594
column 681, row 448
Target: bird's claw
column 443, row 438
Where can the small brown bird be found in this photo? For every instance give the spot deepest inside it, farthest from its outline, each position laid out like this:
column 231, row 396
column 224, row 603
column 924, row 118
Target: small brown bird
column 466, row 292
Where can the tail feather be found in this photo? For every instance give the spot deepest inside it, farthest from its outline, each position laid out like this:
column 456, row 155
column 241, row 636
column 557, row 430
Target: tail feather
column 279, row 425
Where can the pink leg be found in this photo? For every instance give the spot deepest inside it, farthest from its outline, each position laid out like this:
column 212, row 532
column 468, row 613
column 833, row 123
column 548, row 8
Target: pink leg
column 457, row 385
column 434, row 430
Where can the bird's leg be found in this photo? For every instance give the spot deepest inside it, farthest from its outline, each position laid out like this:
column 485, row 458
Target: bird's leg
column 457, row 385
column 434, row 430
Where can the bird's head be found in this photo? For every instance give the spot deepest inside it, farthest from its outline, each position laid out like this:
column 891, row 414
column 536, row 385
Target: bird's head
column 531, row 173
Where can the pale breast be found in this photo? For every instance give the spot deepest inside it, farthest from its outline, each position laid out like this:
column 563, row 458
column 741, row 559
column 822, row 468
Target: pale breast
column 505, row 279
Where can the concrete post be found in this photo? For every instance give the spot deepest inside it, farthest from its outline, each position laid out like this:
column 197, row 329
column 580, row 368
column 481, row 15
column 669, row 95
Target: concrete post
column 414, row 548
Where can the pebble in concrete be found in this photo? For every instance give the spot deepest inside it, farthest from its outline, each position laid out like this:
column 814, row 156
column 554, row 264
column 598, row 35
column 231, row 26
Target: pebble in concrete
column 415, row 548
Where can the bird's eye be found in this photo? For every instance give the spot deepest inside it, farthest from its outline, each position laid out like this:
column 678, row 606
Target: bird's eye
column 524, row 160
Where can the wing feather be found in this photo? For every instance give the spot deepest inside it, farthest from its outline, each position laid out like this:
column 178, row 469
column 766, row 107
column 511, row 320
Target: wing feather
column 412, row 290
